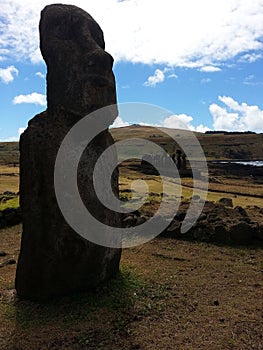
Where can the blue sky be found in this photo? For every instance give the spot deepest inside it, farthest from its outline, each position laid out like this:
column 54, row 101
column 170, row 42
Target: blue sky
column 200, row 59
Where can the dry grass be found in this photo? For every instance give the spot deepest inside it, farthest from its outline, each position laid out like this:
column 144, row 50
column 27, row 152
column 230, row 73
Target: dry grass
column 170, row 295
column 228, row 188
column 9, row 178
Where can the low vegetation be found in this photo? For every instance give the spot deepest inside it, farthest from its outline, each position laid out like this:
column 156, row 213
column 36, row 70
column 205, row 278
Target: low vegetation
column 169, row 294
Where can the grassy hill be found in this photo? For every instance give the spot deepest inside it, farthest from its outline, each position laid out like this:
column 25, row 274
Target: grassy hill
column 9, row 153
column 241, row 146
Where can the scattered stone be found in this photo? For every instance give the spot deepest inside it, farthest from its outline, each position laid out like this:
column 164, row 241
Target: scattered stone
column 259, row 234
column 54, row 260
column 241, row 211
column 240, row 233
column 180, row 216
column 173, row 230
column 218, row 224
column 227, row 202
column 10, row 261
column 9, row 193
column 221, row 234
column 140, row 220
column 10, row 217
column 129, row 221
column 202, row 217
column 196, row 197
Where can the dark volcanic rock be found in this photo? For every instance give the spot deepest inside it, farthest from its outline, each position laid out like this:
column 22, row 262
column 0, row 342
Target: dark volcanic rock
column 226, row 202
column 54, row 260
column 10, row 217
column 241, row 233
column 219, row 224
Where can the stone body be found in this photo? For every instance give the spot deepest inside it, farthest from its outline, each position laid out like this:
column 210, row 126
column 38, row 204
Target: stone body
column 54, row 260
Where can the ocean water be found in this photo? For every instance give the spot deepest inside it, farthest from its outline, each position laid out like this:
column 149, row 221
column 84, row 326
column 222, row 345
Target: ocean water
column 254, row 162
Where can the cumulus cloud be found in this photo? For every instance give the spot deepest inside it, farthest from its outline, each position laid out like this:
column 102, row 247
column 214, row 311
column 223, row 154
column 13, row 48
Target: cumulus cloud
column 235, row 116
column 119, row 123
column 155, row 79
column 189, row 33
column 210, row 69
column 159, row 76
column 175, row 121
column 34, row 98
column 7, row 74
column 182, row 121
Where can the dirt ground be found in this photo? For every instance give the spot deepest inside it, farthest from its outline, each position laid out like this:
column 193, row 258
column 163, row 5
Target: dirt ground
column 170, row 294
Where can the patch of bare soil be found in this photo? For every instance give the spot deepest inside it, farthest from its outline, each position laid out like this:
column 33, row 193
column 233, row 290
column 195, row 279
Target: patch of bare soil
column 170, row 294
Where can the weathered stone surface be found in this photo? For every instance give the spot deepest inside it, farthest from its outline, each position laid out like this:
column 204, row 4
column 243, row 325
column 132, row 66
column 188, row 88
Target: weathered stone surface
column 241, row 233
column 226, row 202
column 54, row 260
column 10, row 217
column 220, row 224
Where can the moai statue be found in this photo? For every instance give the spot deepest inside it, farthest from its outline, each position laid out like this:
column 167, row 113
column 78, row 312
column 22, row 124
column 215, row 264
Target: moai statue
column 183, row 161
column 54, row 259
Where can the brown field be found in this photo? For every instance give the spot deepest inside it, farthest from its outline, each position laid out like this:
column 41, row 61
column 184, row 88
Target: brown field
column 170, row 294
column 9, row 178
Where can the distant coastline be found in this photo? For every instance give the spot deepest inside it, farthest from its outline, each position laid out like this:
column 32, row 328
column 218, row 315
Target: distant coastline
column 251, row 163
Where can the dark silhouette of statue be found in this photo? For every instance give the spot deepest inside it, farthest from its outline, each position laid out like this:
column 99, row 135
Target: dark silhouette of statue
column 183, row 161
column 178, row 159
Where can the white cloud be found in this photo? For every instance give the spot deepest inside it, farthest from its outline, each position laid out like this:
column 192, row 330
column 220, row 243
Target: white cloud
column 34, row 97
column 119, row 123
column 210, row 69
column 21, row 130
column 14, row 138
column 202, row 128
column 157, row 78
column 186, row 33
column 251, row 80
column 250, row 58
column 175, row 121
column 182, row 121
column 7, row 74
column 234, row 116
column 172, row 76
column 40, row 75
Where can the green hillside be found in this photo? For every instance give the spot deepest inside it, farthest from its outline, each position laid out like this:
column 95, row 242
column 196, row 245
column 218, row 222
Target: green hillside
column 9, row 153
column 239, row 146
